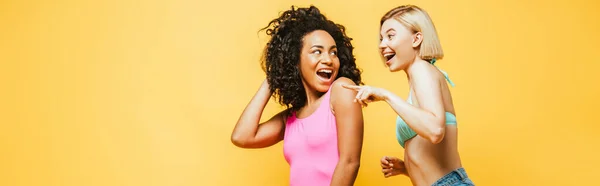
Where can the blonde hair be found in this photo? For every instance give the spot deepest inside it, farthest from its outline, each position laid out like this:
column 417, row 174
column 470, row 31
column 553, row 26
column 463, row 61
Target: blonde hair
column 417, row 20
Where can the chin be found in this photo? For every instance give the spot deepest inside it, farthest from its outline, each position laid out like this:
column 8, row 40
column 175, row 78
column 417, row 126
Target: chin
column 394, row 68
column 322, row 88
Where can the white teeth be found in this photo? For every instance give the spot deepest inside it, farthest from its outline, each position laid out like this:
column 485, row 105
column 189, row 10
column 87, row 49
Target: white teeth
column 325, row 71
column 388, row 55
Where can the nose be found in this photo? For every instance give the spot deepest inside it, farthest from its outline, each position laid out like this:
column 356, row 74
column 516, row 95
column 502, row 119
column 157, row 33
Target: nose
column 326, row 59
column 382, row 45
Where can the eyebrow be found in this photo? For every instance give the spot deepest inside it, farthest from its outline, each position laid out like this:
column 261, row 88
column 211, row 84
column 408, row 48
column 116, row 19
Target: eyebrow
column 388, row 30
column 321, row 47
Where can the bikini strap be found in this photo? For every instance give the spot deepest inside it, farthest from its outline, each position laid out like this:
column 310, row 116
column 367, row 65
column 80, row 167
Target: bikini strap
column 443, row 72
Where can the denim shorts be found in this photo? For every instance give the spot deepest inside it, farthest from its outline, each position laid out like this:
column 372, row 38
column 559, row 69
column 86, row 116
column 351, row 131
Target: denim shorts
column 457, row 177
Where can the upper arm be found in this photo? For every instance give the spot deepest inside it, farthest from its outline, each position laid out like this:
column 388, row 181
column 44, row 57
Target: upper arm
column 349, row 118
column 269, row 132
column 428, row 93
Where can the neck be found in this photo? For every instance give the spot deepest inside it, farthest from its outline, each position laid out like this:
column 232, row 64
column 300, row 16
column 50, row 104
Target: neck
column 409, row 70
column 311, row 95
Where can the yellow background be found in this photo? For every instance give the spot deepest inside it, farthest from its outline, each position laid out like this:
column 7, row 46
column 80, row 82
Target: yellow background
column 134, row 93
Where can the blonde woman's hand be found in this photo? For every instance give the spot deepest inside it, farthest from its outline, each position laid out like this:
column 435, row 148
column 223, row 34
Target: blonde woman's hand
column 392, row 166
column 367, row 94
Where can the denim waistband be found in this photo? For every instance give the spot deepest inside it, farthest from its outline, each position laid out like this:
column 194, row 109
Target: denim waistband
column 455, row 177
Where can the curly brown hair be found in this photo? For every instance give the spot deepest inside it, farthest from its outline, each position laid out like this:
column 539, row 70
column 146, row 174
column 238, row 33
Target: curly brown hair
column 281, row 57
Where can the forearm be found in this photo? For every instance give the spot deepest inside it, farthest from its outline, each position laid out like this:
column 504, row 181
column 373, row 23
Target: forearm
column 345, row 173
column 247, row 125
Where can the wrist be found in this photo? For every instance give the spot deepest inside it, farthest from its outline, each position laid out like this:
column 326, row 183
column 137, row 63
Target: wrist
column 265, row 86
column 386, row 95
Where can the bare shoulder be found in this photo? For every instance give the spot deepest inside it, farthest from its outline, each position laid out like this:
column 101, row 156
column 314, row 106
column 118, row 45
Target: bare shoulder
column 425, row 74
column 341, row 96
column 427, row 70
column 337, row 84
column 338, row 90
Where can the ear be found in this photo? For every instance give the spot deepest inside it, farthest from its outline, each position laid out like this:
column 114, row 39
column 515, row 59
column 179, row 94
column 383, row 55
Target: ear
column 417, row 39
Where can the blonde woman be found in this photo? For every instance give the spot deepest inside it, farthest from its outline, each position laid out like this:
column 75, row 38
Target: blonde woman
column 426, row 124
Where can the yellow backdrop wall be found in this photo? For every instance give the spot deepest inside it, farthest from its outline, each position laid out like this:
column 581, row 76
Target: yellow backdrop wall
column 147, row 92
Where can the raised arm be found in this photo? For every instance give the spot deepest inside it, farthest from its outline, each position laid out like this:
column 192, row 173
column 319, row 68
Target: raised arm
column 248, row 133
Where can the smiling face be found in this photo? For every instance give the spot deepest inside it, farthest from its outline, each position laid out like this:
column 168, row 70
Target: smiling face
column 319, row 62
column 407, row 35
column 399, row 45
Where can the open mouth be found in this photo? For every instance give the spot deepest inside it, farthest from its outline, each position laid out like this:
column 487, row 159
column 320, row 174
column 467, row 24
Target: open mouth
column 325, row 73
column 389, row 56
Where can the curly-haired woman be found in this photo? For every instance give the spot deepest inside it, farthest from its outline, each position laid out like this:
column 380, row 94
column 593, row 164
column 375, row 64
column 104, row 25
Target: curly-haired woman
column 307, row 60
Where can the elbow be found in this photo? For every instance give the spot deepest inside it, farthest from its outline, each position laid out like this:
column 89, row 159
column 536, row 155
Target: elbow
column 437, row 134
column 352, row 164
column 355, row 166
column 238, row 141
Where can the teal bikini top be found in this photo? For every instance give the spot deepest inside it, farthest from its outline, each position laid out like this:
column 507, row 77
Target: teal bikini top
column 404, row 132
